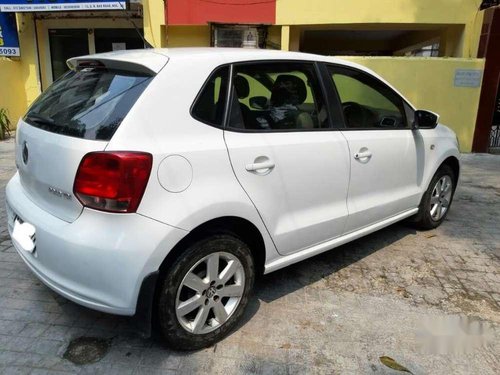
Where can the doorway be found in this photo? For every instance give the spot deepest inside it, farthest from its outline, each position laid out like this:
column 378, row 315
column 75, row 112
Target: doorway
column 67, row 43
column 116, row 39
column 487, row 133
column 64, row 44
column 494, row 146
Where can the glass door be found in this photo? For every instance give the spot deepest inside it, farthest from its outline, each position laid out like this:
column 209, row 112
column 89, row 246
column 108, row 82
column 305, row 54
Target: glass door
column 64, row 44
column 107, row 40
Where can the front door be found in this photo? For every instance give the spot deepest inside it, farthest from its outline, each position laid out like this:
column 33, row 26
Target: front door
column 292, row 164
column 385, row 172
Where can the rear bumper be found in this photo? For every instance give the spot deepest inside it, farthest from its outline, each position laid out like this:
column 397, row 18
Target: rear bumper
column 100, row 260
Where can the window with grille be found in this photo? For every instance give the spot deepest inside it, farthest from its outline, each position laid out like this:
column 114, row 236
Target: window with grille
column 239, row 36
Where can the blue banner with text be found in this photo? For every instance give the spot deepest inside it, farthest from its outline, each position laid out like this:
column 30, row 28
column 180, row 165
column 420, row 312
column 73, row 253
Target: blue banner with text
column 9, row 40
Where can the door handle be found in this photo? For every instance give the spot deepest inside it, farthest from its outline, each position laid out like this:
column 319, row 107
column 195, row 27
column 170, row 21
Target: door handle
column 261, row 167
column 362, row 155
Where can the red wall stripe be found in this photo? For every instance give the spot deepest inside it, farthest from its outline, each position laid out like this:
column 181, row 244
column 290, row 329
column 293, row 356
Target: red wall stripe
column 201, row 12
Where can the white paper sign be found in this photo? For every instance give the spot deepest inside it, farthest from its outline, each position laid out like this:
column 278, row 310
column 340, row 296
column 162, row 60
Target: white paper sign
column 119, row 46
column 468, row 78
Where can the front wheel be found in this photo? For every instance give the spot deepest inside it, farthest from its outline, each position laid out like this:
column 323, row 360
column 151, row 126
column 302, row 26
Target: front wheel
column 436, row 201
column 205, row 292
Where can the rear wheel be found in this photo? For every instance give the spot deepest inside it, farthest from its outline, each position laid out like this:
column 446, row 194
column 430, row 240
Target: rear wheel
column 205, row 292
column 436, row 201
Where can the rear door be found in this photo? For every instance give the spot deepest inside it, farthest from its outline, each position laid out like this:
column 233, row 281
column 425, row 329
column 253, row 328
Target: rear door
column 293, row 165
column 385, row 172
column 78, row 114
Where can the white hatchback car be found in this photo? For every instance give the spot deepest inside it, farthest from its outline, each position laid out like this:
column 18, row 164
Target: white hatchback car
column 161, row 182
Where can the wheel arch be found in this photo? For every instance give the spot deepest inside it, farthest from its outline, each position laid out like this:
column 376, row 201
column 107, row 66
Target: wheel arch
column 450, row 159
column 146, row 315
column 454, row 164
column 240, row 227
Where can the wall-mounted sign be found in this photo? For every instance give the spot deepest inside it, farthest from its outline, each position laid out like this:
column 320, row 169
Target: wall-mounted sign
column 468, row 77
column 9, row 40
column 118, row 46
column 60, row 5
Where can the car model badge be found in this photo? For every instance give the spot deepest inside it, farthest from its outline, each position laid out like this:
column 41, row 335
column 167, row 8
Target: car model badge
column 59, row 193
column 25, row 153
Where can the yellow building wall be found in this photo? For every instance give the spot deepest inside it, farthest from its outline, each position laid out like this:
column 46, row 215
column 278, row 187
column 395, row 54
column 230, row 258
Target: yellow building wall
column 188, row 36
column 300, row 12
column 363, row 14
column 428, row 83
column 154, row 22
column 12, row 95
column 19, row 77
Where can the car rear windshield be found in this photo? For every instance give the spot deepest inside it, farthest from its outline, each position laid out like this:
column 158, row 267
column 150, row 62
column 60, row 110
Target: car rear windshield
column 89, row 103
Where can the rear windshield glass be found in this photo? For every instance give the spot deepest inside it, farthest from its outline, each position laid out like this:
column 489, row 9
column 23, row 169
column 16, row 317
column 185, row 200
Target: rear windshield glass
column 90, row 103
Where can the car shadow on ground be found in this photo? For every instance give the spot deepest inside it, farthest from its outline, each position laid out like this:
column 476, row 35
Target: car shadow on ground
column 292, row 278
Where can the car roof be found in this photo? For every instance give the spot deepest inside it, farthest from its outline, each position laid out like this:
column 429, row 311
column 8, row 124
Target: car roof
column 154, row 59
column 238, row 54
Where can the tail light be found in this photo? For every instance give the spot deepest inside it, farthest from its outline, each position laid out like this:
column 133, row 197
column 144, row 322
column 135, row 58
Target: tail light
column 112, row 181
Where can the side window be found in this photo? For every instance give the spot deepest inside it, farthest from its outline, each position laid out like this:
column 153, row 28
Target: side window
column 367, row 103
column 276, row 97
column 210, row 103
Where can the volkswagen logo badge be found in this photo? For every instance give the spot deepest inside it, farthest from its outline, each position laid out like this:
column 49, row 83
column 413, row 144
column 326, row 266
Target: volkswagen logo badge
column 25, row 153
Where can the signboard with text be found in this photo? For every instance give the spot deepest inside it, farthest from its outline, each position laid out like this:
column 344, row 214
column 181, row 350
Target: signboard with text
column 60, row 5
column 468, row 78
column 9, row 40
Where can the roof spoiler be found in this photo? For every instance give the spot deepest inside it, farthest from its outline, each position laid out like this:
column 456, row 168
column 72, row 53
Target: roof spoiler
column 149, row 64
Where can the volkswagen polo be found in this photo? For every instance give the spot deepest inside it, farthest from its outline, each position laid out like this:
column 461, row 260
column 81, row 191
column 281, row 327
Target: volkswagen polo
column 162, row 182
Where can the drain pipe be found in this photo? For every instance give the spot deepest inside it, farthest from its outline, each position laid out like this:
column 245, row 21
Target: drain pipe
column 37, row 51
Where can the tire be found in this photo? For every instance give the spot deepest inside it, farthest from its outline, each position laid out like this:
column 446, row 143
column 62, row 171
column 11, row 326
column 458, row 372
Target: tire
column 194, row 330
column 431, row 200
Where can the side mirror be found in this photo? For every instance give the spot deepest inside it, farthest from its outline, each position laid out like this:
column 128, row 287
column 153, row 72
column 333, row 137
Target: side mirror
column 258, row 102
column 425, row 120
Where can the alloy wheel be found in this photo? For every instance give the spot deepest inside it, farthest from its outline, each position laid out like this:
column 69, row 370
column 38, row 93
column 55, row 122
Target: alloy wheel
column 441, row 197
column 210, row 293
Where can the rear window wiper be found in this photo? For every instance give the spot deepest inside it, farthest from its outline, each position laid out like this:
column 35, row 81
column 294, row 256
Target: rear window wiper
column 40, row 119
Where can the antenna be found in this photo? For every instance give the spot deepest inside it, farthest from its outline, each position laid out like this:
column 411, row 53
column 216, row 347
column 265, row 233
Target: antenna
column 147, row 45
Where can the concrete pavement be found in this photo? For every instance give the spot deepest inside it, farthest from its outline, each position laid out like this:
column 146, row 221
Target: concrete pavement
column 383, row 295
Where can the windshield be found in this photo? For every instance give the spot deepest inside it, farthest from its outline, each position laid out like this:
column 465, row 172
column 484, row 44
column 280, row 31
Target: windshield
column 90, row 103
